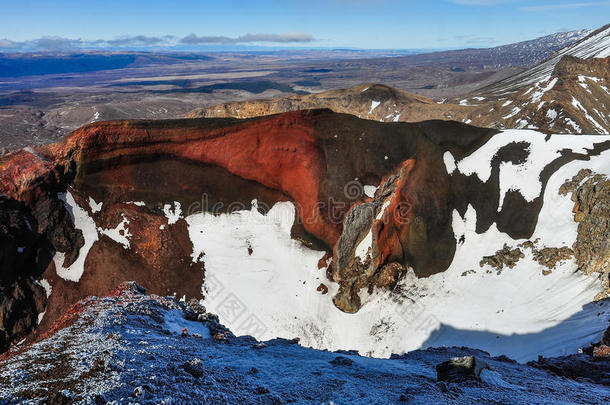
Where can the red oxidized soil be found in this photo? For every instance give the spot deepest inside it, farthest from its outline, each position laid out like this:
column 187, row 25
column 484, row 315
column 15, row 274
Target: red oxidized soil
column 394, row 224
column 280, row 152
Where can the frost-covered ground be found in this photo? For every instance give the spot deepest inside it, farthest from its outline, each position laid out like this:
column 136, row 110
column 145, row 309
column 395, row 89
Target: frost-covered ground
column 131, row 348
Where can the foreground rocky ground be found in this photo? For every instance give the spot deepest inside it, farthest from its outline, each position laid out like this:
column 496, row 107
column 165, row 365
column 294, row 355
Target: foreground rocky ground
column 134, row 348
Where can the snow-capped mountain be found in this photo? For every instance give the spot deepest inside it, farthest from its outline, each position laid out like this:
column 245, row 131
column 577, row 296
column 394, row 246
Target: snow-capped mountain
column 567, row 93
column 537, row 50
column 573, row 98
column 594, row 45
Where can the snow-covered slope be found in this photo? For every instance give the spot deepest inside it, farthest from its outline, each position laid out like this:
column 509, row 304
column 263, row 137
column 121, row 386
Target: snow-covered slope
column 263, row 283
column 595, row 45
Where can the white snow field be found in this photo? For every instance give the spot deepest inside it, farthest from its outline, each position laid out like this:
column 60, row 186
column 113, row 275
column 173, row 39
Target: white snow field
column 520, row 312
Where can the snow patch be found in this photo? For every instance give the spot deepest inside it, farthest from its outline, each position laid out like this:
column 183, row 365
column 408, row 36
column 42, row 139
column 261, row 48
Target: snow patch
column 541, row 153
column 175, row 323
column 96, row 116
column 369, row 191
column 522, row 124
column 120, row 233
column 86, row 225
column 449, row 162
column 47, row 287
column 573, row 124
column 95, row 207
column 172, row 215
column 363, row 247
column 596, row 124
column 136, row 203
column 374, row 104
column 514, row 112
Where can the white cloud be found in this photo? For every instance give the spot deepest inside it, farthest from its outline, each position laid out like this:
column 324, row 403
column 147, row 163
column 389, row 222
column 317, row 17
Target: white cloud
column 8, row 44
column 249, row 38
column 55, row 43
column 558, row 6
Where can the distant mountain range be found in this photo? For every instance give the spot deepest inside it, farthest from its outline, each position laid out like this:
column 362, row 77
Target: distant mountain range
column 42, row 63
column 566, row 93
column 524, row 54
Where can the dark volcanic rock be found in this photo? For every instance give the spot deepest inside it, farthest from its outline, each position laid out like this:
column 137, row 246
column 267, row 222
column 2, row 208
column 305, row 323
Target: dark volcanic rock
column 461, row 368
column 577, row 367
column 194, row 367
column 20, row 304
column 341, row 361
column 590, row 193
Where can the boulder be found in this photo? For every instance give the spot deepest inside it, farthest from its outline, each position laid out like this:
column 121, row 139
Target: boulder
column 602, row 352
column 461, row 368
column 341, row 361
column 194, row 367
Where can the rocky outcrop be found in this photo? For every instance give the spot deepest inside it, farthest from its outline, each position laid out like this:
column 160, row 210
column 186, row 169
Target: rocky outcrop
column 367, row 252
column 572, row 99
column 571, row 66
column 601, row 352
column 461, row 368
column 505, row 257
column 32, row 227
column 590, row 193
column 577, row 367
column 20, row 305
column 547, row 257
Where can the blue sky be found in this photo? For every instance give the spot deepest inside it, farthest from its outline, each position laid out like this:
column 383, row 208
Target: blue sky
column 379, row 24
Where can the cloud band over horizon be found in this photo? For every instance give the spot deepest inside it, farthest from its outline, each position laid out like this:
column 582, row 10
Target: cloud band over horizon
column 55, row 43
